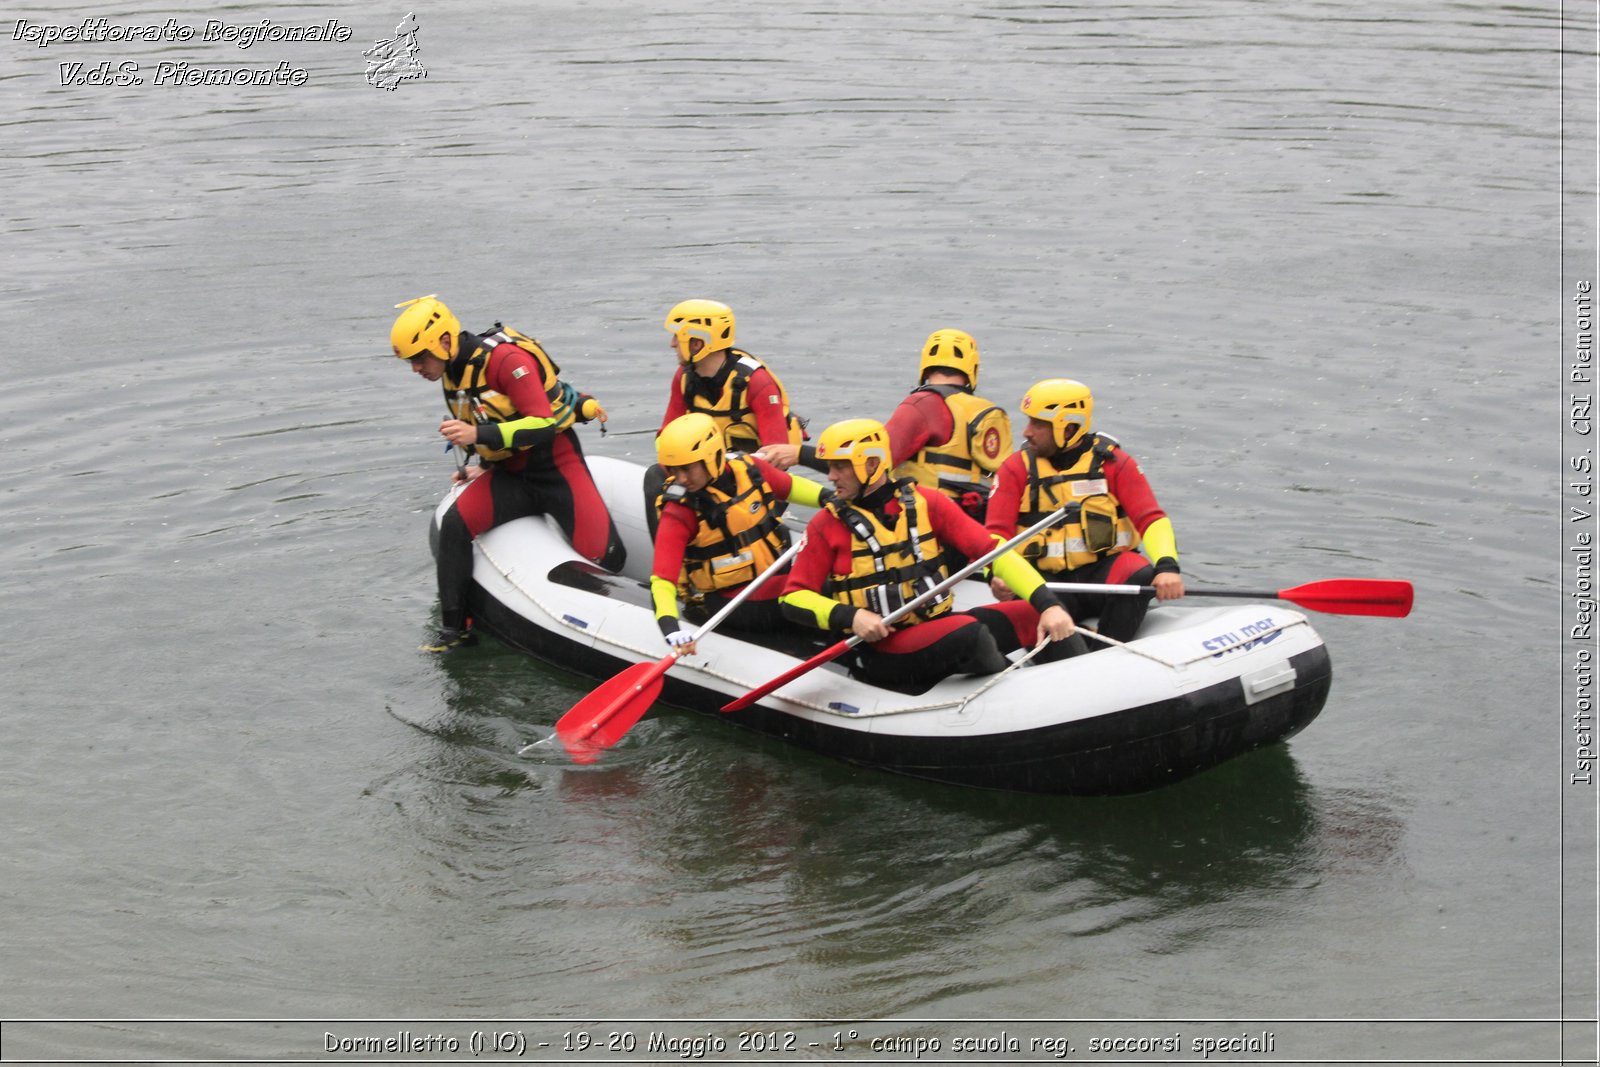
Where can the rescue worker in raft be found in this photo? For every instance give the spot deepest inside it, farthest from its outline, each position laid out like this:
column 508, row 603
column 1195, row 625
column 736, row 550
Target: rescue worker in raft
column 881, row 543
column 1112, row 511
column 943, row 435
column 738, row 391
column 509, row 408
column 720, row 527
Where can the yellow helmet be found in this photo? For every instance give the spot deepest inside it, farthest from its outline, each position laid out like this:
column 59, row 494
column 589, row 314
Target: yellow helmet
column 856, row 440
column 708, row 320
column 692, row 438
column 950, row 350
column 419, row 327
column 1066, row 405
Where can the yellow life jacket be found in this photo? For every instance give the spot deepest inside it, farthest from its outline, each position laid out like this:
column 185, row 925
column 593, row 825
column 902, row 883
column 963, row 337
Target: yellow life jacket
column 741, row 533
column 979, row 442
column 731, row 408
column 890, row 565
column 1096, row 526
column 469, row 398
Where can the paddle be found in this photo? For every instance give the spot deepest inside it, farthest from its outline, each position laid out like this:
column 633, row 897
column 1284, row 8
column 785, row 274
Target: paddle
column 1337, row 596
column 834, row 651
column 599, row 720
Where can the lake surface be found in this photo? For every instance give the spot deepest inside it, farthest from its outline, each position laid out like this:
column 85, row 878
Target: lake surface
column 1318, row 262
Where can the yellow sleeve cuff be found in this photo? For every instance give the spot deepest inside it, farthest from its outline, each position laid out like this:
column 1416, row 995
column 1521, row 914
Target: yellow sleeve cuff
column 814, row 604
column 1158, row 541
column 528, row 428
column 805, row 492
column 664, row 595
column 1018, row 574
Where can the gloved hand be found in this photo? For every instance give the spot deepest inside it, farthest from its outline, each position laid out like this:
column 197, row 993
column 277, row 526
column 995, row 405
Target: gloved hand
column 682, row 640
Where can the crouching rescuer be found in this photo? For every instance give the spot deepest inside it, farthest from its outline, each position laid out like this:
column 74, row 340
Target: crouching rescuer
column 509, row 409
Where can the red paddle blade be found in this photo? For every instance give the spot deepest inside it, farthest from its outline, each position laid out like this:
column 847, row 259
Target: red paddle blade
column 599, row 720
column 1354, row 596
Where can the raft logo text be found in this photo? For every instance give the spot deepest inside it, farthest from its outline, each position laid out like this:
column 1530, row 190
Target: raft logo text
column 1579, row 491
column 1261, row 632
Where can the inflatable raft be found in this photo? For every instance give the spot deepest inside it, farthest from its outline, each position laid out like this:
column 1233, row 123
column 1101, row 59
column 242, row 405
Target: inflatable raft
column 1199, row 686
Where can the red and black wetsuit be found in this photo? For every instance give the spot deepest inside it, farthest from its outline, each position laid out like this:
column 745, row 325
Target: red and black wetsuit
column 762, row 397
column 546, row 476
column 680, row 524
column 921, row 420
column 1120, row 616
column 912, row 658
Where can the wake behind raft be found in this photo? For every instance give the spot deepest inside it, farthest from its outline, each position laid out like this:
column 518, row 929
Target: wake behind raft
column 1200, row 685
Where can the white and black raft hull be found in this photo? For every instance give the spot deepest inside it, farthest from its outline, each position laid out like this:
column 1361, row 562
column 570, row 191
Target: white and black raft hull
column 1199, row 686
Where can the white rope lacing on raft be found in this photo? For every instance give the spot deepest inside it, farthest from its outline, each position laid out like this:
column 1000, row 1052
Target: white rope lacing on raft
column 1182, row 663
column 701, row 668
column 959, row 703
column 1114, row 643
column 995, row 679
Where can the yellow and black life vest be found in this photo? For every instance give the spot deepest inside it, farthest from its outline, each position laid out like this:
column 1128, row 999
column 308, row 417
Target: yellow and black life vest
column 1096, row 526
column 723, row 396
column 469, row 398
column 890, row 565
column 979, row 442
column 741, row 533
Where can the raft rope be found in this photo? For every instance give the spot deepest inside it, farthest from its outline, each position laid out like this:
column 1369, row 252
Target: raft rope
column 959, row 703
column 995, row 679
column 1114, row 643
column 1201, row 658
column 650, row 653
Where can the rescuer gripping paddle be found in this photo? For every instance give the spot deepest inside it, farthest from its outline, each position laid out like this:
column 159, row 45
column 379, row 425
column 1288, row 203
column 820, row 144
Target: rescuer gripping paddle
column 837, row 649
column 599, row 720
column 1384, row 597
